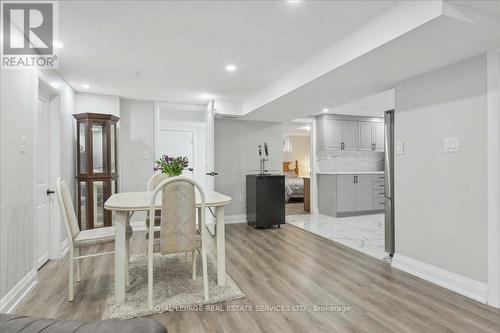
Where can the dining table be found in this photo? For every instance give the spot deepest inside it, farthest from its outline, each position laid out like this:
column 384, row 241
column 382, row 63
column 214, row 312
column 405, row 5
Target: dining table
column 124, row 204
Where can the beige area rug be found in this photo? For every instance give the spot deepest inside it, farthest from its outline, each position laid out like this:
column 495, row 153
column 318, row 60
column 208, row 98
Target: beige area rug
column 173, row 289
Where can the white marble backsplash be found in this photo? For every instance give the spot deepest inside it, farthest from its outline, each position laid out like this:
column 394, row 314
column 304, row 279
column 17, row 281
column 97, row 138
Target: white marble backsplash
column 351, row 161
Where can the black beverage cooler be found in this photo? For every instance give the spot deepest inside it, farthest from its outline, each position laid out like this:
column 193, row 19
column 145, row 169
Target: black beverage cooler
column 265, row 200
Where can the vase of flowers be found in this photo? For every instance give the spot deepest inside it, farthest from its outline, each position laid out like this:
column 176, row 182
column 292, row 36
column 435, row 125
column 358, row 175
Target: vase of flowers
column 172, row 166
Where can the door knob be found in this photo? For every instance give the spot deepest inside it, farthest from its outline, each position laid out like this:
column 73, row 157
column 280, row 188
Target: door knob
column 49, row 192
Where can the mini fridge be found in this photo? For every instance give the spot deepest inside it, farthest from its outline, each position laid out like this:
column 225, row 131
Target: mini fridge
column 265, row 200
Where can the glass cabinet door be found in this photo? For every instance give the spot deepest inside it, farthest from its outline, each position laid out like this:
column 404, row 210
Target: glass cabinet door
column 82, row 200
column 100, row 148
column 112, row 130
column 83, row 149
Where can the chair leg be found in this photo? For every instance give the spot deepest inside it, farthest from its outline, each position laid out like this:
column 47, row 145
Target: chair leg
column 127, row 262
column 150, row 272
column 78, row 265
column 71, row 274
column 194, row 264
column 205, row 272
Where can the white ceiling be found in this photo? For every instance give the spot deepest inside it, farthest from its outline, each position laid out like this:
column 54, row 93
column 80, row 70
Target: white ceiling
column 179, row 48
column 442, row 41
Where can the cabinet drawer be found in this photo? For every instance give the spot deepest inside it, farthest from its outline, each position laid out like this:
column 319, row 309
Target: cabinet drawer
column 378, row 185
column 378, row 193
column 378, row 178
column 378, row 203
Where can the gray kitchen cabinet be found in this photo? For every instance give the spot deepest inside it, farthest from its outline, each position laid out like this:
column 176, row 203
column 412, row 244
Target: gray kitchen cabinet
column 371, row 136
column 351, row 194
column 354, row 193
column 346, row 193
column 364, row 192
column 378, row 137
column 350, row 135
column 333, row 135
column 365, row 136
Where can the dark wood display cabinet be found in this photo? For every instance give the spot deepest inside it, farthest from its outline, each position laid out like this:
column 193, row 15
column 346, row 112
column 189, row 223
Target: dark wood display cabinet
column 97, row 169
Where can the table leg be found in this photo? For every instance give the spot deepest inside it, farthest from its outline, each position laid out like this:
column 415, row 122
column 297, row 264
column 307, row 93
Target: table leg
column 127, row 254
column 120, row 254
column 221, row 246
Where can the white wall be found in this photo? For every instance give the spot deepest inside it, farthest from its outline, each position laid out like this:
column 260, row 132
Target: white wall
column 95, row 103
column 440, row 198
column 137, row 138
column 301, row 151
column 236, row 155
column 19, row 94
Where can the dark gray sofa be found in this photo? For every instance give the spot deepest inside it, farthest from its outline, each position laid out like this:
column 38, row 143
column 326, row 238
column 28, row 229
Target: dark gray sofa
column 11, row 323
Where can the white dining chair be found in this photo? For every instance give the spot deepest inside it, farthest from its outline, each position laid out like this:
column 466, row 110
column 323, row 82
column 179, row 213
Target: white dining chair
column 178, row 232
column 80, row 239
column 154, row 181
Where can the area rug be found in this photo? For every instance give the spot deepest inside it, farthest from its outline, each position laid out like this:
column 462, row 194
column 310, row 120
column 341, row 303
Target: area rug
column 173, row 289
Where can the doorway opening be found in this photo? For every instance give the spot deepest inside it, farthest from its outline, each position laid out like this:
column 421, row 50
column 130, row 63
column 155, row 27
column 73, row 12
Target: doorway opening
column 297, row 168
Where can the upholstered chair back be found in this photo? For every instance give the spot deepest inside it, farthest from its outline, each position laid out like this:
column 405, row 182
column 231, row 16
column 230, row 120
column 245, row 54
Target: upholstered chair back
column 178, row 218
column 67, row 210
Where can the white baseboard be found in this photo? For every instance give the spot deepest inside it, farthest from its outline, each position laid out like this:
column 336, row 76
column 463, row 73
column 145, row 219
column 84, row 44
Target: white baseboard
column 64, row 248
column 10, row 301
column 236, row 218
column 446, row 279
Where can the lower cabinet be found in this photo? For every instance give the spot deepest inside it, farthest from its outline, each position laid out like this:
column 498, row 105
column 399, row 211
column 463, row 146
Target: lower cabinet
column 354, row 193
column 341, row 195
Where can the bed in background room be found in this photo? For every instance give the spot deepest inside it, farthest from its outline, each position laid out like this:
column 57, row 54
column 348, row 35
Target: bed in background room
column 294, row 185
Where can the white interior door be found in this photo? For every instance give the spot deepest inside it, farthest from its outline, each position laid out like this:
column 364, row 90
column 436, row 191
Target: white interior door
column 42, row 236
column 209, row 149
column 209, row 161
column 178, row 143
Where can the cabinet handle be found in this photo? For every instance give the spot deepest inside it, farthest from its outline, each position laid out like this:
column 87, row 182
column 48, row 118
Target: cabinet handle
column 341, row 146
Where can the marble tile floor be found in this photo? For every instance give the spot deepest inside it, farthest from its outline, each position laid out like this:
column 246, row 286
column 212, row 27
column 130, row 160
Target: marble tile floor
column 364, row 233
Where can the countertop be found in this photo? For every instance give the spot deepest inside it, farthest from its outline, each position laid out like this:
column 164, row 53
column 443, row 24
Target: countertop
column 350, row 172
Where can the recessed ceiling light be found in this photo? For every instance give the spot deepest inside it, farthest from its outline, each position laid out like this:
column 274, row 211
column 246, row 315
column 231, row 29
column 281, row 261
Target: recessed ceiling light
column 58, row 44
column 207, row 96
column 294, row 1
column 85, row 86
column 307, row 128
column 325, row 110
column 231, row 68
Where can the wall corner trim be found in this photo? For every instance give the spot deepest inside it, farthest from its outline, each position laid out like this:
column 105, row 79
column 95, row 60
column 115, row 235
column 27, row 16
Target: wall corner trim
column 10, row 301
column 446, row 279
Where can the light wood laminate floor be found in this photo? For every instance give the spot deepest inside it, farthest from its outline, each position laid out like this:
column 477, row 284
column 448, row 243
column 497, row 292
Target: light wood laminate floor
column 286, row 266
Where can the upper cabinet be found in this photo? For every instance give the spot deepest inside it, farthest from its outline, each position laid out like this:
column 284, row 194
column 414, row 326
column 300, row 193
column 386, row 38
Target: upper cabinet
column 371, row 136
column 378, row 137
column 344, row 133
column 332, row 139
